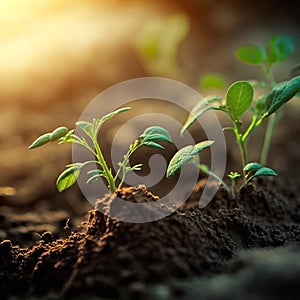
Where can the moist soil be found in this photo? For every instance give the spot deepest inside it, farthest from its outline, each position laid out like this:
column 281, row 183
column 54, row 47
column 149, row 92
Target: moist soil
column 211, row 253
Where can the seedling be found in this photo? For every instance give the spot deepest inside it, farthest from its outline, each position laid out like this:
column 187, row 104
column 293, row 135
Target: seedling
column 240, row 100
column 150, row 138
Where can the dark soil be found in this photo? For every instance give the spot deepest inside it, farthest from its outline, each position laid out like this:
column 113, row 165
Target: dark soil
column 109, row 259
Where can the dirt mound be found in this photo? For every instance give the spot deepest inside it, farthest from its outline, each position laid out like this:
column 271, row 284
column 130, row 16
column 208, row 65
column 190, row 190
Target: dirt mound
column 109, row 258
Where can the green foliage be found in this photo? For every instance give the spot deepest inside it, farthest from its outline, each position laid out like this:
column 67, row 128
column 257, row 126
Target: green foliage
column 185, row 155
column 255, row 169
column 240, row 100
column 251, row 54
column 199, row 109
column 280, row 94
column 150, row 137
column 281, row 47
column 69, row 176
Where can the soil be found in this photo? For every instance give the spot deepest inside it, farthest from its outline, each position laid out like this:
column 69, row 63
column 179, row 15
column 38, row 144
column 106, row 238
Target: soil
column 178, row 257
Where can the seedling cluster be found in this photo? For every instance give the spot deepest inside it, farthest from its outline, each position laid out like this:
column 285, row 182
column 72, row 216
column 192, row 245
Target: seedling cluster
column 239, row 100
column 150, row 138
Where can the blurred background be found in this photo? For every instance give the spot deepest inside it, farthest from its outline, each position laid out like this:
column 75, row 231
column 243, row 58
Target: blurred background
column 57, row 55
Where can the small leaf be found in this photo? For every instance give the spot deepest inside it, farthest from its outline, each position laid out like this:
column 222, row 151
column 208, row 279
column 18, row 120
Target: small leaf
column 281, row 94
column 97, row 123
column 211, row 80
column 58, row 133
column 95, row 172
column 93, row 179
column 113, row 113
column 137, row 167
column 87, row 127
column 251, row 167
column 265, row 172
column 281, row 47
column 153, row 145
column 156, row 133
column 239, row 97
column 198, row 110
column 68, row 177
column 201, row 146
column 155, row 138
column 181, row 157
column 233, row 175
column 42, row 140
column 252, row 54
column 184, row 155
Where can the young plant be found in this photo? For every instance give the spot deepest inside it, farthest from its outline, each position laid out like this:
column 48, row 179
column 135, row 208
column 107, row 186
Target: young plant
column 240, row 100
column 280, row 48
column 150, row 137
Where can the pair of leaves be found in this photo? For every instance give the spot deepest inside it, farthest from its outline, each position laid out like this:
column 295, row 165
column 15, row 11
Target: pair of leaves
column 155, row 134
column 255, row 169
column 55, row 135
column 184, row 155
column 238, row 99
column 280, row 47
column 91, row 129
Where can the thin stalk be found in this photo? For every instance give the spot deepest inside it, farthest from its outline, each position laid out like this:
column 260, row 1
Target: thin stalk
column 124, row 163
column 268, row 137
column 207, row 171
column 241, row 143
column 250, row 128
column 107, row 172
column 271, row 122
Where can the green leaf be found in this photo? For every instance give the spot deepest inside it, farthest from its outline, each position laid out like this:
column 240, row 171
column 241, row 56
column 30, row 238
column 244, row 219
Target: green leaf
column 265, row 172
column 198, row 110
column 68, row 177
column 281, row 47
column 40, row 141
column 233, row 175
column 58, row 133
column 281, row 94
column 201, row 146
column 251, row 167
column 153, row 145
column 155, row 134
column 95, row 172
column 97, row 123
column 136, row 167
column 93, row 179
column 184, row 155
column 87, row 127
column 239, row 97
column 113, row 113
column 251, row 54
column 211, row 80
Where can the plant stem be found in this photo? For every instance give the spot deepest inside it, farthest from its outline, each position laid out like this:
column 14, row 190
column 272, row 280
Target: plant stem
column 107, row 172
column 241, row 143
column 271, row 122
column 268, row 137
column 207, row 171
column 133, row 147
column 250, row 128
